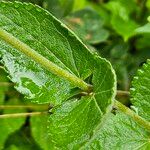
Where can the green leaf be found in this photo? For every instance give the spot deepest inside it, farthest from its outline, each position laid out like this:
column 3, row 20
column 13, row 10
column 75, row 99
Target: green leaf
column 80, row 23
column 119, row 132
column 56, row 43
column 21, row 139
column 75, row 122
column 143, row 29
column 59, row 45
column 129, row 8
column 39, row 129
column 120, row 20
column 78, row 6
column 48, row 37
column 140, row 91
column 8, row 126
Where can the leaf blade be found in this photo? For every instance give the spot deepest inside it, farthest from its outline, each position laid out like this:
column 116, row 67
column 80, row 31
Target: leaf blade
column 27, row 34
column 140, row 91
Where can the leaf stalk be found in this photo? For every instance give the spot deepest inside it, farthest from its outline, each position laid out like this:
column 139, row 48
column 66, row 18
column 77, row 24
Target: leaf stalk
column 133, row 115
column 17, row 115
column 41, row 107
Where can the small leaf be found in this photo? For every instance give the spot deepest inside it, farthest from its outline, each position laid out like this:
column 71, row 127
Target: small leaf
column 140, row 91
column 120, row 20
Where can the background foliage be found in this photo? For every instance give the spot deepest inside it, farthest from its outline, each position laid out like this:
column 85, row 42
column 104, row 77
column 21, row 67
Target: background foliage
column 115, row 29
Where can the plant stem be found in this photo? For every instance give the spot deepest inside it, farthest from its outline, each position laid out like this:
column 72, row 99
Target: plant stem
column 47, row 64
column 41, row 107
column 6, row 84
column 22, row 115
column 133, row 115
column 123, row 93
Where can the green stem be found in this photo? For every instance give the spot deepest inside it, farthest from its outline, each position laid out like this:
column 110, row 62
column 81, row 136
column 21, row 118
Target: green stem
column 22, row 114
column 34, row 107
column 2, row 84
column 123, row 93
column 132, row 114
column 50, row 66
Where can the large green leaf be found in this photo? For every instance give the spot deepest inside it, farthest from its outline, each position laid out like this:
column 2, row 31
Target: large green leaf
column 120, row 132
column 140, row 91
column 45, row 34
column 42, row 32
column 75, row 122
column 8, row 126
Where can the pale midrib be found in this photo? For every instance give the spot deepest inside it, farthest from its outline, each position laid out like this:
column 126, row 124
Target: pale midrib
column 47, row 64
